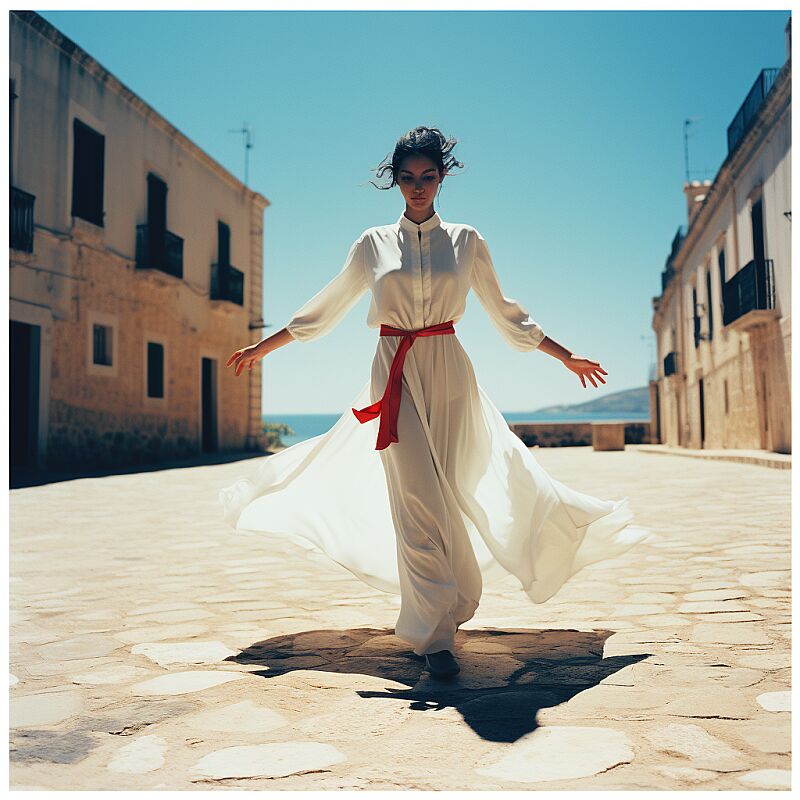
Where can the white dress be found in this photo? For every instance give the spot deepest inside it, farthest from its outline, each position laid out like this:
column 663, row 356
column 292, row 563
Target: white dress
column 458, row 500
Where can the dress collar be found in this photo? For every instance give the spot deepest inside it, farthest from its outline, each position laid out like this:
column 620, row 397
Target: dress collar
column 429, row 224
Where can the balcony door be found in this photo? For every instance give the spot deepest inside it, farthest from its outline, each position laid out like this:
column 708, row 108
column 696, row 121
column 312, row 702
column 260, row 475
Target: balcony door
column 157, row 219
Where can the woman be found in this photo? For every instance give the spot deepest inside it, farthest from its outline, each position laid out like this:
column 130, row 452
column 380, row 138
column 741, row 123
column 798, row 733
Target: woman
column 423, row 489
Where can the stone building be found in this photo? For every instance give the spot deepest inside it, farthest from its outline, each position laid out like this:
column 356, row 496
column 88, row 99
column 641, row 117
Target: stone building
column 135, row 271
column 723, row 319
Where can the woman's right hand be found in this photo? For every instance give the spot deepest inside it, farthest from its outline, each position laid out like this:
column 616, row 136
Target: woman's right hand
column 246, row 357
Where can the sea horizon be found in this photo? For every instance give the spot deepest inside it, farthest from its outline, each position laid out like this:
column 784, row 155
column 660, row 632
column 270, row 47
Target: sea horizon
column 305, row 426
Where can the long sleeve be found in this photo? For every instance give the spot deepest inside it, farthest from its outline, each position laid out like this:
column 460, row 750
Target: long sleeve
column 326, row 309
column 509, row 317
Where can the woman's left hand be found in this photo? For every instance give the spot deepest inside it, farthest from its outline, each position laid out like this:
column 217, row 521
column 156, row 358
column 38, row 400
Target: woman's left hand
column 585, row 368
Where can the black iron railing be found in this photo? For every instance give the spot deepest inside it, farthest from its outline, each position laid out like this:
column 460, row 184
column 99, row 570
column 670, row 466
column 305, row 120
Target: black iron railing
column 21, row 223
column 748, row 110
column 670, row 364
column 227, row 283
column 163, row 251
column 751, row 288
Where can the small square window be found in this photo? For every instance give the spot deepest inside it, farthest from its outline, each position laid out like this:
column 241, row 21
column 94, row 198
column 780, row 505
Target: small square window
column 101, row 350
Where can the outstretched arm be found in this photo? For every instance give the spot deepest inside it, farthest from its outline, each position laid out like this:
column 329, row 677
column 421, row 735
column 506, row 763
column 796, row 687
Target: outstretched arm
column 582, row 367
column 507, row 315
column 326, row 309
column 249, row 356
column 318, row 316
column 516, row 324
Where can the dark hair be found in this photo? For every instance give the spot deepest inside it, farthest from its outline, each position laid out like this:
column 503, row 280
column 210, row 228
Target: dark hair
column 421, row 141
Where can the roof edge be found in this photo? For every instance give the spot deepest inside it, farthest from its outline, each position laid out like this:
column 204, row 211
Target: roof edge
column 93, row 67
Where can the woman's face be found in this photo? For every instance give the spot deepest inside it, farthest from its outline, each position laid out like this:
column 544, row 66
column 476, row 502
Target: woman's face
column 418, row 179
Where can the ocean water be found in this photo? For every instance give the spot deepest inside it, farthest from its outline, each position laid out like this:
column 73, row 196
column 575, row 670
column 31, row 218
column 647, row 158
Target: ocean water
column 304, row 426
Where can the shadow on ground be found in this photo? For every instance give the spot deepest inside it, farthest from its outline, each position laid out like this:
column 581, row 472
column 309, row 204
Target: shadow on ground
column 506, row 676
column 21, row 477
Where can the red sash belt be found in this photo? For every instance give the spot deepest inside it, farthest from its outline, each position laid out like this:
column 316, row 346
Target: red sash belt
column 388, row 406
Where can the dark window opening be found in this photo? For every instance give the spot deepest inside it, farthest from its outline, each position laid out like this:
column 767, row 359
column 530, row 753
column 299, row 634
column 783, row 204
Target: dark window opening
column 223, row 244
column 87, row 173
column 155, row 369
column 12, row 96
column 101, row 350
column 156, row 219
column 757, row 224
column 709, row 305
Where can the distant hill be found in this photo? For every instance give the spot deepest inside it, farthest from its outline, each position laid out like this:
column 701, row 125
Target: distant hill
column 628, row 401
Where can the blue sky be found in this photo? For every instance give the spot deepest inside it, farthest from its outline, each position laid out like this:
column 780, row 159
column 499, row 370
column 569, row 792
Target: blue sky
column 570, row 126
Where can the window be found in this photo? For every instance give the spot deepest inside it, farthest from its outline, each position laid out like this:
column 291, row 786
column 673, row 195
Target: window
column 12, row 96
column 709, row 306
column 757, row 227
column 101, row 347
column 721, row 267
column 695, row 318
column 87, row 173
column 223, row 244
column 155, row 369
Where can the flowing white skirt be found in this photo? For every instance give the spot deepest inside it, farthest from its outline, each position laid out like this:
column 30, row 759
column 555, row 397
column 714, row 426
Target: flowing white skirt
column 330, row 492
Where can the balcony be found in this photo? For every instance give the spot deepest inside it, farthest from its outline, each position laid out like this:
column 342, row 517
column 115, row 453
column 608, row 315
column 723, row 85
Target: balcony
column 749, row 296
column 749, row 109
column 164, row 252
column 227, row 283
column 21, row 223
column 670, row 364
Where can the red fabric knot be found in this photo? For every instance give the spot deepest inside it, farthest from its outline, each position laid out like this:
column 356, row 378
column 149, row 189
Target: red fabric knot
column 388, row 406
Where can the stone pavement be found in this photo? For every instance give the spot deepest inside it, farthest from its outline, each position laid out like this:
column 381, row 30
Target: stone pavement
column 152, row 647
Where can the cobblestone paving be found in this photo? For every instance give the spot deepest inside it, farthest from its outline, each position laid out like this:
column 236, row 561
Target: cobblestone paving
column 151, row 647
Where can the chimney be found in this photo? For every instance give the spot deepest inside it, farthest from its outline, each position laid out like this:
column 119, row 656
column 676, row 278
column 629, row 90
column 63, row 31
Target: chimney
column 695, row 192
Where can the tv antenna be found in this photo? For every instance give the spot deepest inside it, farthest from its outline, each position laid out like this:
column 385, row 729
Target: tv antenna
column 686, row 123
column 248, row 144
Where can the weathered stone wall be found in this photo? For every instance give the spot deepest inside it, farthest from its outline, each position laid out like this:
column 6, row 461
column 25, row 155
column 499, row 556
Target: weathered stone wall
column 745, row 365
column 81, row 271
column 91, row 438
column 107, row 419
column 748, row 420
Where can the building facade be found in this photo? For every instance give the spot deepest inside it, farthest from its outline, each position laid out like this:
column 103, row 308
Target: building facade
column 723, row 319
column 135, row 271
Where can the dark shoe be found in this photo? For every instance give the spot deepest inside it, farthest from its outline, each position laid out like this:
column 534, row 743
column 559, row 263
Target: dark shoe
column 442, row 664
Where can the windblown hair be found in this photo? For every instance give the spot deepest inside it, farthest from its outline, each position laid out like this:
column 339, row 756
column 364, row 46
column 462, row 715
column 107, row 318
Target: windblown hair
column 422, row 141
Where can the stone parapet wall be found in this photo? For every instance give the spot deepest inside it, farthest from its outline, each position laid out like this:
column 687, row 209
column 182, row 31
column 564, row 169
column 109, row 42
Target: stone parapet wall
column 573, row 434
